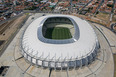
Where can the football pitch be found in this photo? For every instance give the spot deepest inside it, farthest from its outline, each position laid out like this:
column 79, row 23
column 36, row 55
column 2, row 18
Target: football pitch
column 58, row 33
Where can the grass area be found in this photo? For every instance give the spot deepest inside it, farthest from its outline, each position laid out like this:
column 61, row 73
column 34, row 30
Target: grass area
column 27, row 13
column 58, row 33
column 114, row 65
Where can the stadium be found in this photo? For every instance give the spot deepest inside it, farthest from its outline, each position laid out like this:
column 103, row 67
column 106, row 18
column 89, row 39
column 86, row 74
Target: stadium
column 60, row 42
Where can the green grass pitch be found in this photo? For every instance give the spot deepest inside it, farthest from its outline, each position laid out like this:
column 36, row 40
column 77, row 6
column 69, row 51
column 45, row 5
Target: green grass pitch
column 58, row 33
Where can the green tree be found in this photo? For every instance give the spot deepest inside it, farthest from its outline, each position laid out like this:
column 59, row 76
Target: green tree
column 110, row 5
column 26, row 3
column 52, row 0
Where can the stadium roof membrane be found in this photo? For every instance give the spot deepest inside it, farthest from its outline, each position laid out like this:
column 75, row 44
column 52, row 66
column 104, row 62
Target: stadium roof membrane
column 80, row 46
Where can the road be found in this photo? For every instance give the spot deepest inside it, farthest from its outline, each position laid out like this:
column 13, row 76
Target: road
column 112, row 27
column 99, row 6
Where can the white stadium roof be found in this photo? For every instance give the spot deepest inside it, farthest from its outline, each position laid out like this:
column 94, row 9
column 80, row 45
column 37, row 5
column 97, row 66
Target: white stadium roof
column 80, row 48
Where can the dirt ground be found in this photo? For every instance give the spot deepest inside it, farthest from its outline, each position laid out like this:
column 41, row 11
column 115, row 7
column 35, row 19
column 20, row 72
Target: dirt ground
column 114, row 19
column 6, row 25
column 8, row 28
column 100, row 18
column 115, row 66
column 115, row 28
column 103, row 16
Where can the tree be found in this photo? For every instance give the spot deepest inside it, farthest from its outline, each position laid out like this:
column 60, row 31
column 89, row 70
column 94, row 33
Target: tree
column 39, row 1
column 74, row 5
column 110, row 5
column 52, row 8
column 97, row 12
column 52, row 1
column 26, row 3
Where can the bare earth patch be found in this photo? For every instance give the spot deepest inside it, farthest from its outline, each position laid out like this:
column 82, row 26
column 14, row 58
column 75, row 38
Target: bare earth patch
column 8, row 29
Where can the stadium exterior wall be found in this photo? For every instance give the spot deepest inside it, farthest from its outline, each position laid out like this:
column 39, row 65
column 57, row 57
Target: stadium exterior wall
column 64, row 64
column 79, row 62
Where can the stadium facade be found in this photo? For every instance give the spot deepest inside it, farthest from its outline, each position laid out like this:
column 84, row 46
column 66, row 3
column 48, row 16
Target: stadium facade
column 79, row 50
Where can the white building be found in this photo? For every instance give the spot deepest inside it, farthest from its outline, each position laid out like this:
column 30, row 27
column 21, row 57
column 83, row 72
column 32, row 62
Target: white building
column 78, row 51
